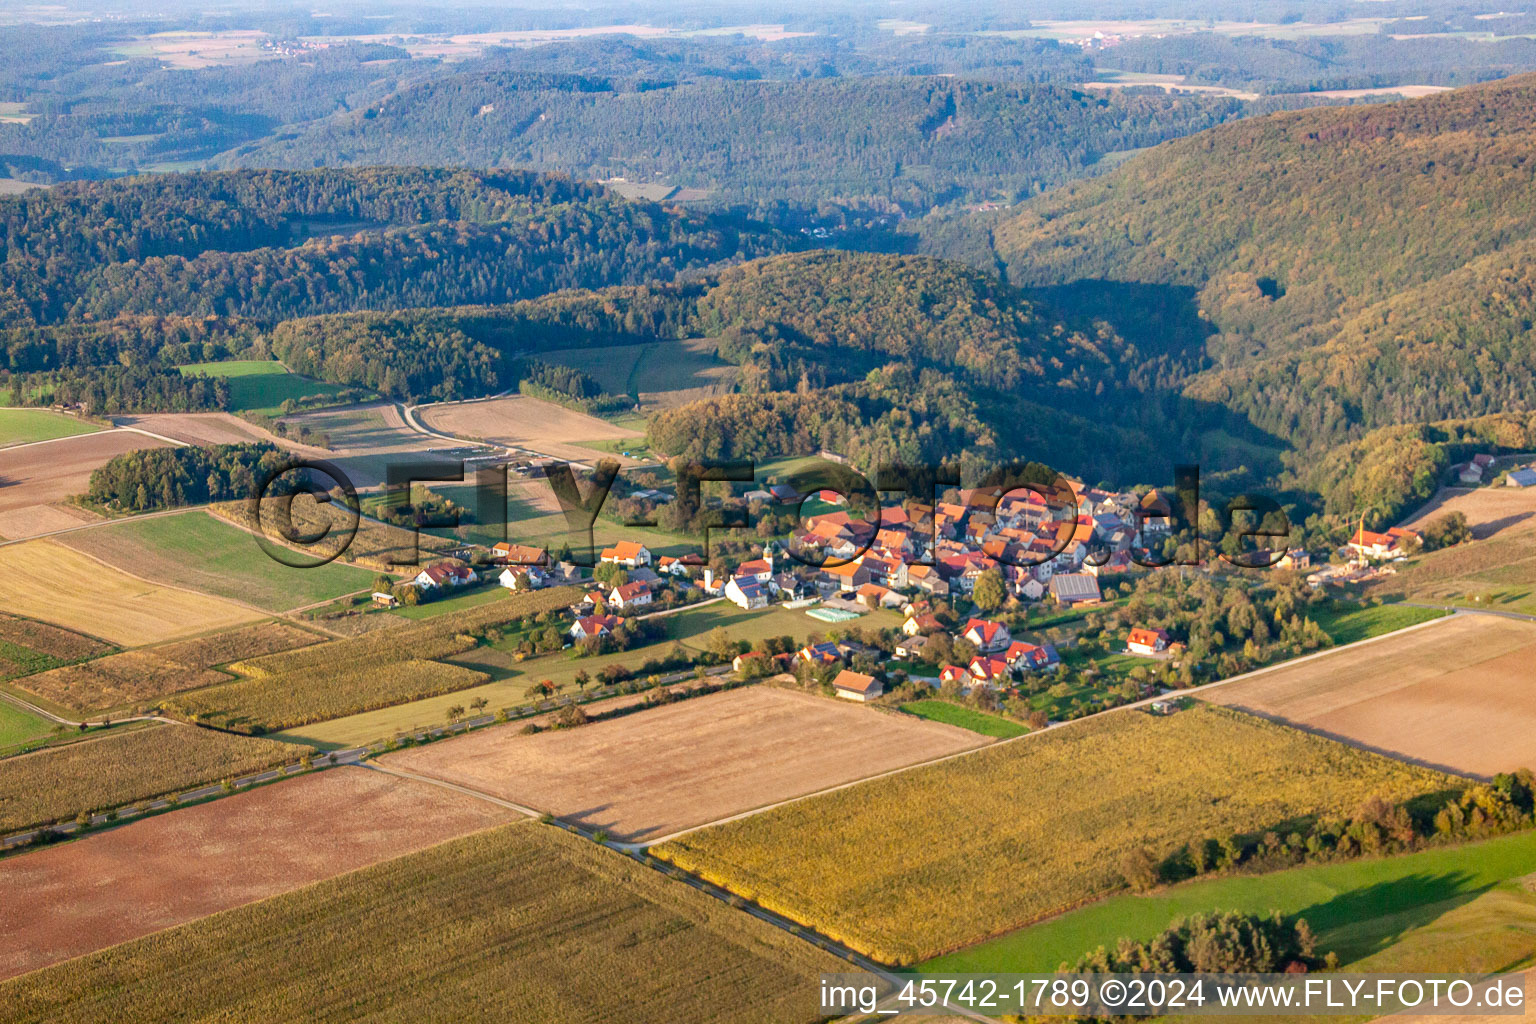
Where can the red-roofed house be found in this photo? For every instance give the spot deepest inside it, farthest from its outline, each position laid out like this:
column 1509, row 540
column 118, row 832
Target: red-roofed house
column 589, row 626
column 989, row 637
column 630, row 595
column 627, row 553
column 1147, row 641
column 992, row 671
column 444, row 574
column 519, row 554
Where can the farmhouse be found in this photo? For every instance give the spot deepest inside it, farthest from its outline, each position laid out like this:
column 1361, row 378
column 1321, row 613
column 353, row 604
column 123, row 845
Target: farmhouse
column 857, row 686
column 1521, row 478
column 630, row 595
column 1075, row 589
column 519, row 554
column 627, row 554
column 1396, row 543
column 1147, row 641
column 444, row 574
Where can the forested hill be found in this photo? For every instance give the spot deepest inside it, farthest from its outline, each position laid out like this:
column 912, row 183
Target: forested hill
column 915, row 141
column 276, row 244
column 1341, row 269
column 881, row 357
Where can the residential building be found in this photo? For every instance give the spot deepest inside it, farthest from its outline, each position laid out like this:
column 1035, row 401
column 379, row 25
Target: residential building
column 627, row 554
column 519, row 554
column 846, row 577
column 590, row 626
column 746, row 592
column 925, row 623
column 1147, row 641
column 989, row 637
column 523, row 577
column 444, row 574
column 824, row 653
column 630, row 595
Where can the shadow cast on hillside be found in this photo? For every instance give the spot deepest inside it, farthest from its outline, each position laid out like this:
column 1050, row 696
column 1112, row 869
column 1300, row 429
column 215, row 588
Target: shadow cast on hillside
column 1378, row 915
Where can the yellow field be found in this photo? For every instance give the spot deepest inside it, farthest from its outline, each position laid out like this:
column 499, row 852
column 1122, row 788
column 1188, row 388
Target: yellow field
column 920, row 863
column 51, row 582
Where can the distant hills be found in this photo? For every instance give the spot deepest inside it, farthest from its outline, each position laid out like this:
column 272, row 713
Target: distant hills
column 889, row 143
column 1321, row 273
column 269, row 245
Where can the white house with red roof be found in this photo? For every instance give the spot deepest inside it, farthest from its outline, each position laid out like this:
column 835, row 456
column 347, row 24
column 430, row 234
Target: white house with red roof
column 1147, row 641
column 992, row 671
column 444, row 574
column 590, row 626
column 1394, row 544
column 627, row 553
column 989, row 637
column 631, row 595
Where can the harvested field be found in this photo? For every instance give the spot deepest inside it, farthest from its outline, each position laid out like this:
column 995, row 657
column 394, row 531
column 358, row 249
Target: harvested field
column 1498, row 574
column 952, row 853
column 525, row 422
column 366, row 439
column 136, row 677
column 173, row 868
column 37, row 520
column 62, row 586
column 1455, row 695
column 40, row 474
column 521, row 924
column 1489, row 510
column 202, row 552
column 211, row 428
column 657, row 772
column 58, row 783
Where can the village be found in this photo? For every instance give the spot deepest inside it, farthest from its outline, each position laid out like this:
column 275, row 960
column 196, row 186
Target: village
column 994, row 595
